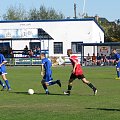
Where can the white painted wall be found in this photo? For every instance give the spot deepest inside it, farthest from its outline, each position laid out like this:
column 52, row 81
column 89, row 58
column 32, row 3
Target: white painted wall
column 98, row 35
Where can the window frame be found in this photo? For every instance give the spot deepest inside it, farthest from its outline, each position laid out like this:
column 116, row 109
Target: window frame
column 76, row 51
column 58, row 49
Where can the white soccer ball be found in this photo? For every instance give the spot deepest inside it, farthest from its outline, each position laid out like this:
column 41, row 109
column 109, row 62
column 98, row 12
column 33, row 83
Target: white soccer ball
column 30, row 91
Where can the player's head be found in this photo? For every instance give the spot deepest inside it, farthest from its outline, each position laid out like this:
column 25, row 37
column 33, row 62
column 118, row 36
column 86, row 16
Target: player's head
column 42, row 55
column 69, row 52
column 114, row 51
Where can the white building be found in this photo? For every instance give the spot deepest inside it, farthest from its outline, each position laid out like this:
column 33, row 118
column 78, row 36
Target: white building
column 56, row 36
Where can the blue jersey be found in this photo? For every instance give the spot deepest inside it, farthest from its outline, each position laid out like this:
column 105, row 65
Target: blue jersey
column 2, row 68
column 47, row 67
column 117, row 57
column 47, row 64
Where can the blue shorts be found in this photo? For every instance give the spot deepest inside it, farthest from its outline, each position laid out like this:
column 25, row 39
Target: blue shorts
column 2, row 71
column 47, row 78
column 118, row 65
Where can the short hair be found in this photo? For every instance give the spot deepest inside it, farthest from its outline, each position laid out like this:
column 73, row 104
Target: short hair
column 42, row 53
column 114, row 49
column 69, row 51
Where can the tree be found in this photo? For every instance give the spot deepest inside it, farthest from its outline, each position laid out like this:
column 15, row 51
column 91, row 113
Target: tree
column 19, row 13
column 112, row 30
column 52, row 14
column 15, row 13
column 44, row 14
column 33, row 14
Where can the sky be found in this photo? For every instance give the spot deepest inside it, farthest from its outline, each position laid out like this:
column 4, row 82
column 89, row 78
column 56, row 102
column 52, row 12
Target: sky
column 109, row 9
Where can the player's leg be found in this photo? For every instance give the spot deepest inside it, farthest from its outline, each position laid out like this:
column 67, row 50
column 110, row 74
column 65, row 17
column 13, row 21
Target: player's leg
column 6, row 81
column 50, row 82
column 89, row 84
column 72, row 78
column 3, row 85
column 55, row 82
column 45, row 84
column 118, row 71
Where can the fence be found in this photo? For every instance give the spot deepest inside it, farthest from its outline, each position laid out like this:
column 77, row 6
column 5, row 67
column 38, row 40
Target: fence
column 25, row 61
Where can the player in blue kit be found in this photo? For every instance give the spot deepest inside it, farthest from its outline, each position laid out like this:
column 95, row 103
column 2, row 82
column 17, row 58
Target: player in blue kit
column 46, row 72
column 117, row 58
column 3, row 73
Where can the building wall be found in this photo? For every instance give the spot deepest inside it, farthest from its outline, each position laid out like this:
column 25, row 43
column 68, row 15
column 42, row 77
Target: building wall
column 98, row 35
column 86, row 31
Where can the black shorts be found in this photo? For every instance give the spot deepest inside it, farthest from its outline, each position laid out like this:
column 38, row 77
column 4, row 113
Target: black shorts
column 73, row 77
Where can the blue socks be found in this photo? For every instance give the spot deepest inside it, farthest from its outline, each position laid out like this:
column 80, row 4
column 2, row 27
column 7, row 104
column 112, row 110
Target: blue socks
column 7, row 84
column 118, row 74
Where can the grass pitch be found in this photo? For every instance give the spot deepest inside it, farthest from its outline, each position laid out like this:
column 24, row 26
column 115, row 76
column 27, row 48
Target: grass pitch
column 81, row 105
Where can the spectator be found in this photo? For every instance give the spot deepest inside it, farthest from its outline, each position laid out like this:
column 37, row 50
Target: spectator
column 11, row 55
column 25, row 52
column 94, row 59
column 102, row 59
column 98, row 59
column 111, row 60
column 30, row 53
column 88, row 59
column 84, row 62
column 106, row 61
column 38, row 51
column 34, row 51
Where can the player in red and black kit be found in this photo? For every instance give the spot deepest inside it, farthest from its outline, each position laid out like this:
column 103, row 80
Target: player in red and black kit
column 77, row 73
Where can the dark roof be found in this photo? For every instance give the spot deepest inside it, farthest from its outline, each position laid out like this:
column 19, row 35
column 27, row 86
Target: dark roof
column 83, row 19
column 43, row 35
column 102, row 44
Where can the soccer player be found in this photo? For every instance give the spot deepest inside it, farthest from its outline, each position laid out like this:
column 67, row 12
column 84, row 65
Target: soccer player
column 3, row 73
column 77, row 73
column 117, row 58
column 46, row 72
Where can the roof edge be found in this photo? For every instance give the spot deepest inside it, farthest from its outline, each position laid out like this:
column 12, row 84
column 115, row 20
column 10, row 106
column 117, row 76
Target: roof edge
column 82, row 19
column 62, row 20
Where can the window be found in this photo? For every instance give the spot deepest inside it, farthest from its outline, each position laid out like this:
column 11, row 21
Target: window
column 76, row 47
column 58, row 47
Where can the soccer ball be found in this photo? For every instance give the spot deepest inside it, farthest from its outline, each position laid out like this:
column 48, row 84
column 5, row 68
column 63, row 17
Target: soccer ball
column 30, row 91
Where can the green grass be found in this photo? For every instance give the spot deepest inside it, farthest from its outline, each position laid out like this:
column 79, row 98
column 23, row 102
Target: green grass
column 81, row 105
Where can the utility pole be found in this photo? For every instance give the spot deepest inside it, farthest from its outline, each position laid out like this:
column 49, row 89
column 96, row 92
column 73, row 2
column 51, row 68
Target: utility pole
column 75, row 16
column 84, row 9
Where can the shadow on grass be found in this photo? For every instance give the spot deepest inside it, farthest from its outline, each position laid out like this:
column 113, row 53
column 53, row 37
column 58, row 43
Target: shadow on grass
column 26, row 93
column 105, row 109
column 51, row 94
